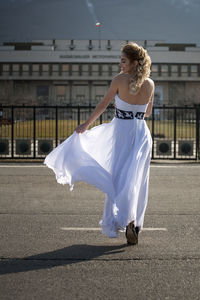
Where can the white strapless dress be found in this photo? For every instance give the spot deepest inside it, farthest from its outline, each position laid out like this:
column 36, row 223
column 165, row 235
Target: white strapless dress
column 114, row 157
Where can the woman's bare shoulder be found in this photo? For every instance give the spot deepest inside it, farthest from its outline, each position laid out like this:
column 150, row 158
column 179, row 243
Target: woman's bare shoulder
column 148, row 86
column 149, row 83
column 121, row 76
column 116, row 81
column 122, row 79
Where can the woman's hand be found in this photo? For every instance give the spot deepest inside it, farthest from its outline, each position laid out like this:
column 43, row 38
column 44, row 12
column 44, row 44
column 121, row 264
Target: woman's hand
column 82, row 127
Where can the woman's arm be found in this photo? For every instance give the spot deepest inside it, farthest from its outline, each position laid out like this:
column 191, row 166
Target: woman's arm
column 100, row 108
column 150, row 105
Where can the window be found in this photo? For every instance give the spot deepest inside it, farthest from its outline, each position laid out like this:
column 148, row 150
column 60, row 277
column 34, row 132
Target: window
column 42, row 90
column 55, row 68
column 85, row 69
column 43, row 94
column 25, row 67
column 105, row 69
column 184, row 71
column 6, row 69
column 194, row 70
column 15, row 68
column 65, row 68
column 60, row 90
column 95, row 69
column 115, row 69
column 45, row 68
column 60, row 94
column 75, row 69
column 174, row 70
column 154, row 70
column 164, row 70
column 80, row 94
column 35, row 68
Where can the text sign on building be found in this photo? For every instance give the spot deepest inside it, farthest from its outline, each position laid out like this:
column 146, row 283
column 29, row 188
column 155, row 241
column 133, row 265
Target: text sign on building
column 90, row 57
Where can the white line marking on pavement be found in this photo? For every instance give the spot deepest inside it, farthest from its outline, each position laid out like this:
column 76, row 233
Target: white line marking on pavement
column 154, row 229
column 80, row 229
column 99, row 229
column 20, row 166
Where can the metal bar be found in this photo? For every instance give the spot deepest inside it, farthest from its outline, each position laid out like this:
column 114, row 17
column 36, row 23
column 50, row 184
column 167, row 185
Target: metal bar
column 78, row 115
column 87, row 106
column 197, row 132
column 12, row 131
column 42, row 157
column 34, row 133
column 153, row 112
column 101, row 119
column 91, row 106
column 56, row 126
column 175, row 132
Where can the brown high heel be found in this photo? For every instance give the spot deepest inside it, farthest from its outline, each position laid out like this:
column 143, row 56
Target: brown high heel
column 132, row 234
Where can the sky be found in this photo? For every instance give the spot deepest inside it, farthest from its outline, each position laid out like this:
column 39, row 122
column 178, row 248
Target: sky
column 171, row 21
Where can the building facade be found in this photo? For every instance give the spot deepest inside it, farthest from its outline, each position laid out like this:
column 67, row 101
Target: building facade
column 78, row 72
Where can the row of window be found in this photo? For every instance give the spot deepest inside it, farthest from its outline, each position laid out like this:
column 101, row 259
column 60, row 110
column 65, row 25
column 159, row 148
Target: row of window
column 59, row 69
column 164, row 70
column 183, row 70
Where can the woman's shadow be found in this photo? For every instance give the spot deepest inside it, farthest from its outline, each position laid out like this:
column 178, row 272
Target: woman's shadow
column 61, row 257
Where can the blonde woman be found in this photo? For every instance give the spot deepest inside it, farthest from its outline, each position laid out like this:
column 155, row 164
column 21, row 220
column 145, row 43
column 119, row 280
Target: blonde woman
column 115, row 157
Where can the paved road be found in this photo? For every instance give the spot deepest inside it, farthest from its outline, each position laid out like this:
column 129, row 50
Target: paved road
column 42, row 258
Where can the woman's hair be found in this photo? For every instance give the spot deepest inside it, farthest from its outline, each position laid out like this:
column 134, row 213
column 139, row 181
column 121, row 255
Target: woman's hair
column 142, row 71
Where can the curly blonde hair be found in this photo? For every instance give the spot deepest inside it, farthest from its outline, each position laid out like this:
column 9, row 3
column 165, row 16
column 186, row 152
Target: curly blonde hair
column 135, row 52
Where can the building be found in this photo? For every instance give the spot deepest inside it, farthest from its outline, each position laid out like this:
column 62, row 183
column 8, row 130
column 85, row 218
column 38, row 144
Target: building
column 61, row 72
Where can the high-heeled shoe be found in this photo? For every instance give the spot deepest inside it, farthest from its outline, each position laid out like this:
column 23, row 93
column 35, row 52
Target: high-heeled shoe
column 132, row 234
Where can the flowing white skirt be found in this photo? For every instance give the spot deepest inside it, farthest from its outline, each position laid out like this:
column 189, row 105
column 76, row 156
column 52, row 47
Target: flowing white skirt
column 114, row 157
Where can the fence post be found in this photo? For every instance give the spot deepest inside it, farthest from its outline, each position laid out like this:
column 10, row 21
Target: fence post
column 174, row 132
column 153, row 112
column 34, row 133
column 78, row 115
column 197, row 132
column 56, row 126
column 12, row 131
column 101, row 119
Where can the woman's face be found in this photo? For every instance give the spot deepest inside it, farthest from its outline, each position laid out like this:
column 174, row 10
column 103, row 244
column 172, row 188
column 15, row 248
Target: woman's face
column 125, row 64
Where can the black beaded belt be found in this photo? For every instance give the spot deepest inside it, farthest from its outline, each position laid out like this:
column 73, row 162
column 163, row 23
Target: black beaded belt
column 123, row 114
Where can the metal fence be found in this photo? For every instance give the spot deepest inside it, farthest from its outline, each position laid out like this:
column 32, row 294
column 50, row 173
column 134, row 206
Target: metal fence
column 33, row 131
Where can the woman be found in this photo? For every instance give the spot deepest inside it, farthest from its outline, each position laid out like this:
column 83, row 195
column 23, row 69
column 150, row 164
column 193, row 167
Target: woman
column 115, row 157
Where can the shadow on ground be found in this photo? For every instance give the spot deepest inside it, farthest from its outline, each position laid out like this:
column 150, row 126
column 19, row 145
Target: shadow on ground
column 61, row 257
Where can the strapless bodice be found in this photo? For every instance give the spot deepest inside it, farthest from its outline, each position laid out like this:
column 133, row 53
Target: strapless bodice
column 121, row 104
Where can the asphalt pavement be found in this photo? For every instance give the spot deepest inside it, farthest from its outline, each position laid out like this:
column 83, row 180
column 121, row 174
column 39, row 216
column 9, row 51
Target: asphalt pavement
column 51, row 246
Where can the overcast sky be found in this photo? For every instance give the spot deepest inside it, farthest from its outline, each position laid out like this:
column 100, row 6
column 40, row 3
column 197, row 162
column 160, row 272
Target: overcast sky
column 168, row 20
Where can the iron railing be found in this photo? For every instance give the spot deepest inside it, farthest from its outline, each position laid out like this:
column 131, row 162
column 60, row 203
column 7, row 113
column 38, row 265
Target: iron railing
column 33, row 131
